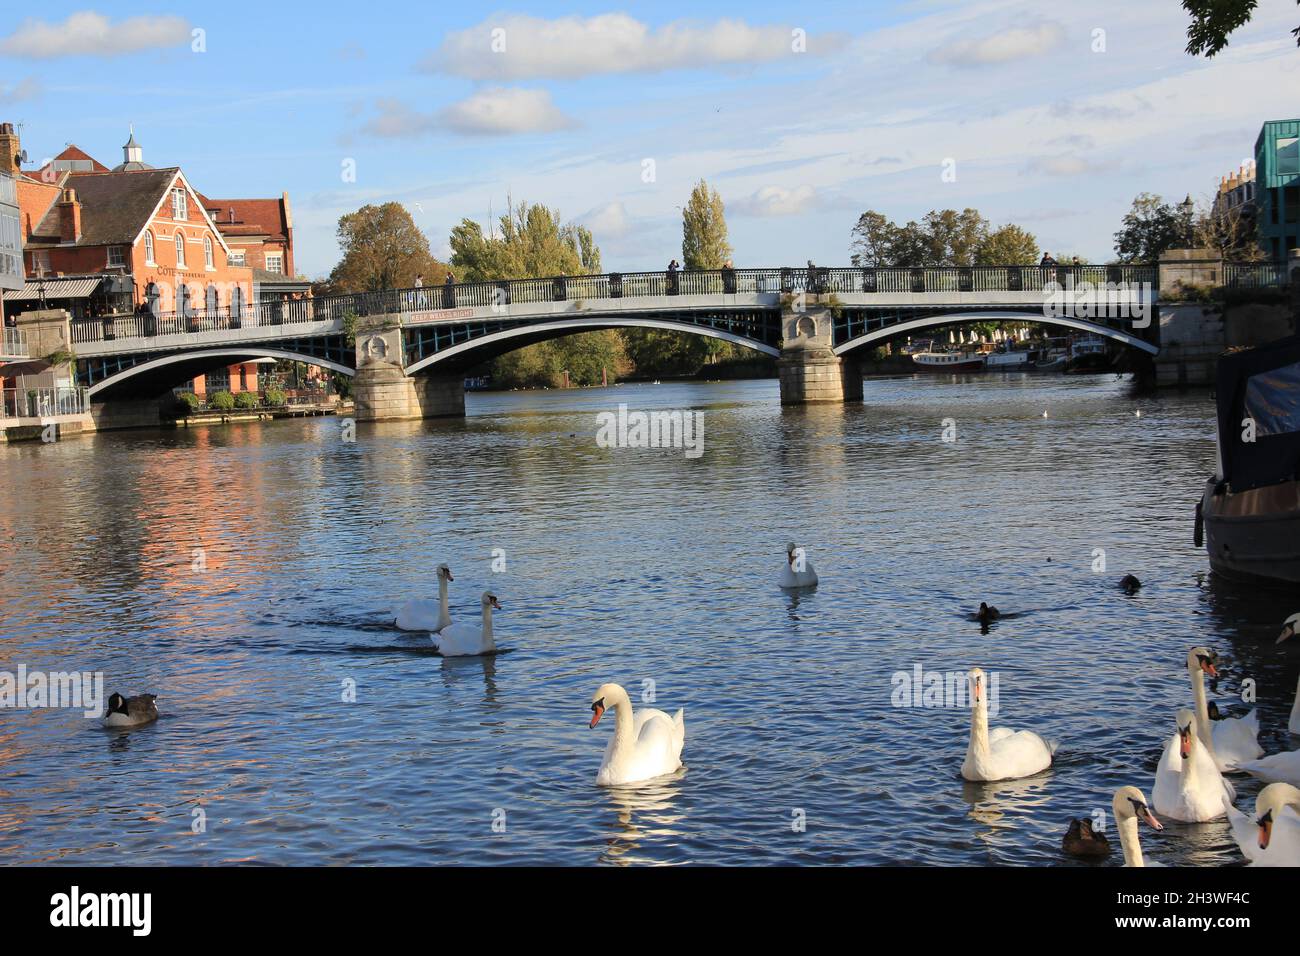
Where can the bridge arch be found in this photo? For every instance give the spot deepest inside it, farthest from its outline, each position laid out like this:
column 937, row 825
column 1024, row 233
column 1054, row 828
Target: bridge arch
column 155, row 367
column 958, row 318
column 527, row 334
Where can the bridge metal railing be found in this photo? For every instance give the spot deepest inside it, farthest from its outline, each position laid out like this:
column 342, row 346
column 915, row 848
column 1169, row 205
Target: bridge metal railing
column 440, row 301
column 1255, row 275
column 44, row 402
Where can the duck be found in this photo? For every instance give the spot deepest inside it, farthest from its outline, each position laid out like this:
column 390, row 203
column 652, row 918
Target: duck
column 646, row 744
column 1230, row 740
column 1000, row 754
column 1082, row 840
column 422, row 614
column 130, row 711
column 467, row 640
column 1189, row 786
column 1129, row 584
column 1129, row 806
column 1272, row 838
column 1289, row 628
column 987, row 613
column 798, row 571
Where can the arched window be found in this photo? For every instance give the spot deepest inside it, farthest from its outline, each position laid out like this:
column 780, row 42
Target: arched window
column 183, row 304
column 148, row 247
column 180, row 249
column 237, row 302
column 207, row 252
column 211, row 300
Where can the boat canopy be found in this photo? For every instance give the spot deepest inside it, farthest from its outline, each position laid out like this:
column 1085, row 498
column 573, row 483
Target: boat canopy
column 1259, row 397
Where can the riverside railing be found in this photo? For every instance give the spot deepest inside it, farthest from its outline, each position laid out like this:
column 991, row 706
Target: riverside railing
column 1254, row 275
column 13, row 345
column 440, row 302
column 45, row 401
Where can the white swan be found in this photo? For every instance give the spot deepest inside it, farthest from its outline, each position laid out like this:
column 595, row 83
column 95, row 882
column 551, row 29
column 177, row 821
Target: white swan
column 1272, row 838
column 1129, row 806
column 421, row 614
column 798, row 571
column 463, row 640
column 645, row 744
column 1188, row 785
column 1275, row 768
column 1231, row 740
column 1002, row 754
column 1293, row 724
column 1289, row 628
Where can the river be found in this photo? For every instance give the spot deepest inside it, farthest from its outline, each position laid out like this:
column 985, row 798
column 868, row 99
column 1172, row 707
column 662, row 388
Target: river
column 247, row 574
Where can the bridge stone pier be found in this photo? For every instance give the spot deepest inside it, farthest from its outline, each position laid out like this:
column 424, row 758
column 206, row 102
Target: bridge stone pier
column 381, row 389
column 810, row 372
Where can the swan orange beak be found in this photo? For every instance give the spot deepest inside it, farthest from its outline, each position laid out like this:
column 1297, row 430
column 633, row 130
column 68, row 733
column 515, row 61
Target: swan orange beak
column 1265, row 833
column 1209, row 668
column 449, row 577
column 1185, row 742
column 1152, row 822
column 1287, row 632
column 596, row 711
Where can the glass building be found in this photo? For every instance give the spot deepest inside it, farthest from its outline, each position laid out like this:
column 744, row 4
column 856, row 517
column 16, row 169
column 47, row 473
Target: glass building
column 1277, row 186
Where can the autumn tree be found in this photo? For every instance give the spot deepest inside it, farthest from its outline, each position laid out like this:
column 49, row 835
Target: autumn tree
column 382, row 248
column 1149, row 228
column 704, row 230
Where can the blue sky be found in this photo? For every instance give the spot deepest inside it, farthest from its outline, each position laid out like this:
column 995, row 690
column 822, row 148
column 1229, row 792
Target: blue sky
column 1046, row 122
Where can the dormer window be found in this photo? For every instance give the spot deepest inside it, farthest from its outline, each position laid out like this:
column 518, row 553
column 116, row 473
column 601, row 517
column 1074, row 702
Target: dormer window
column 180, row 204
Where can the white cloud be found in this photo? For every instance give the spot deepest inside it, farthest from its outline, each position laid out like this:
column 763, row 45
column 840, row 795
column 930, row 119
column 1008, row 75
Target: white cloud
column 26, row 89
column 1018, row 43
column 776, row 201
column 92, row 34
column 570, row 47
column 608, row 221
column 500, row 111
column 489, row 112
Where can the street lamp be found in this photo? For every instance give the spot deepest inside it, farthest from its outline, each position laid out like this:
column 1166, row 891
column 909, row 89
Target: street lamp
column 1187, row 208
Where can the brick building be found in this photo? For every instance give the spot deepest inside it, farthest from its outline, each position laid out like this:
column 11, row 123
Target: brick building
column 151, row 236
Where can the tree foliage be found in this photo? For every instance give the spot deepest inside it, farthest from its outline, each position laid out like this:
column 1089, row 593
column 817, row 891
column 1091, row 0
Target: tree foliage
column 1214, row 20
column 1150, row 227
column 1226, row 230
column 944, row 237
column 704, row 230
column 382, row 248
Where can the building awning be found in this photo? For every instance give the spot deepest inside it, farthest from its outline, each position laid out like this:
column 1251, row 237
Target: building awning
column 60, row 287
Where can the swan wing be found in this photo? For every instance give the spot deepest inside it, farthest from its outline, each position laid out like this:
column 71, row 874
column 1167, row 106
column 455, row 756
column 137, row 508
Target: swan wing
column 1237, row 739
column 418, row 615
column 1275, row 768
column 1018, row 753
column 1284, row 843
column 457, row 640
column 657, row 746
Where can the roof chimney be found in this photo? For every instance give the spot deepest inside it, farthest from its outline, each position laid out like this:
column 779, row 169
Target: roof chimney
column 10, row 150
column 69, row 216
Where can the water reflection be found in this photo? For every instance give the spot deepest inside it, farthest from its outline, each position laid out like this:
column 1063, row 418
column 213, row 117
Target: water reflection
column 645, row 819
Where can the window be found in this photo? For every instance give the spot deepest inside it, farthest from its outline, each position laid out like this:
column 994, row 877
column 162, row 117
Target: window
column 211, row 301
column 218, row 381
column 237, row 302
column 207, row 252
column 1290, row 202
column 180, row 249
column 1273, row 400
column 41, row 262
column 116, row 257
column 275, row 262
column 180, row 204
column 148, row 247
column 1288, row 156
column 236, row 257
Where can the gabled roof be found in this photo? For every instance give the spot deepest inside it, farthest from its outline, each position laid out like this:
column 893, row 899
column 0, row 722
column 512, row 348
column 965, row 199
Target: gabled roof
column 252, row 217
column 73, row 151
column 115, row 207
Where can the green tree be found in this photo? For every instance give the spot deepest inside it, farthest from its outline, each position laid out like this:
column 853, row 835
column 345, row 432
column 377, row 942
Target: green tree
column 533, row 242
column 1008, row 246
column 1214, row 20
column 704, row 230
column 382, row 248
column 873, row 240
column 1149, row 228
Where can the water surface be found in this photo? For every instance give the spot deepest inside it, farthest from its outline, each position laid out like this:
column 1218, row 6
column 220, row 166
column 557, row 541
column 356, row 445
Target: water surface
column 627, row 565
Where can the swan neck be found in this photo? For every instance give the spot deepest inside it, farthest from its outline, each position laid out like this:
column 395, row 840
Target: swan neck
column 1203, row 730
column 623, row 722
column 979, row 729
column 1130, row 842
column 487, row 625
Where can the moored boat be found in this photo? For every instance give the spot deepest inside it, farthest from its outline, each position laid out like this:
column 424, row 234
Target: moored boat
column 1249, row 513
column 956, row 361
